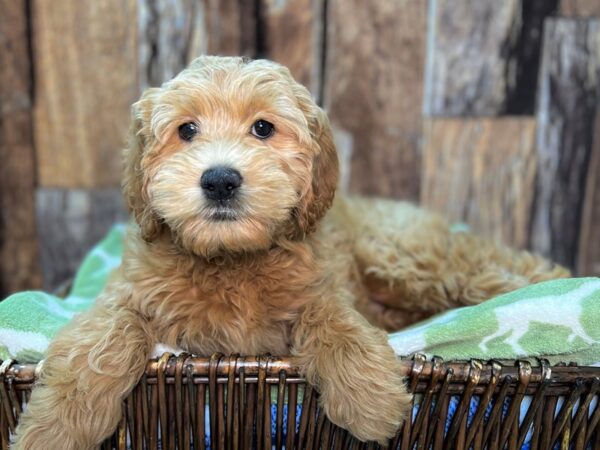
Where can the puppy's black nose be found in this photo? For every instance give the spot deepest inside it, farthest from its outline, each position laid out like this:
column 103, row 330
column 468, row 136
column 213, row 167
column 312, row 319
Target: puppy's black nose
column 220, row 183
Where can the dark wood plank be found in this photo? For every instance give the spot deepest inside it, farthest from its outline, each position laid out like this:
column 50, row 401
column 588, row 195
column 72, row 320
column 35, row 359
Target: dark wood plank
column 588, row 260
column 483, row 56
column 85, row 82
column 18, row 239
column 373, row 90
column 567, row 109
column 70, row 222
column 482, row 172
column 293, row 36
column 524, row 56
column 231, row 27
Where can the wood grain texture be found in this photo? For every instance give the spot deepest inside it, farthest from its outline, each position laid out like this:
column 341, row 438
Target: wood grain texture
column 567, row 109
column 70, row 222
column 466, row 73
column 231, row 27
column 580, row 8
column 373, row 90
column 169, row 35
column 85, row 82
column 483, row 56
column 524, row 57
column 482, row 172
column 173, row 32
column 588, row 258
column 18, row 236
column 293, row 36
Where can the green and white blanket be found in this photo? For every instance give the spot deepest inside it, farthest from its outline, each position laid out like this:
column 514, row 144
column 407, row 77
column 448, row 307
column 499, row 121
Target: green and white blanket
column 29, row 320
column 559, row 320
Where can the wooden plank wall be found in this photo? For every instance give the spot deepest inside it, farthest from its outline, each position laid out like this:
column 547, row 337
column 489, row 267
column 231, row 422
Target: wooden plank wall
column 588, row 253
column 173, row 32
column 480, row 162
column 84, row 86
column 373, row 90
column 19, row 261
column 479, row 171
column 281, row 24
column 527, row 66
column 483, row 56
column 466, row 73
column 436, row 100
column 588, row 261
column 580, row 8
column 569, row 91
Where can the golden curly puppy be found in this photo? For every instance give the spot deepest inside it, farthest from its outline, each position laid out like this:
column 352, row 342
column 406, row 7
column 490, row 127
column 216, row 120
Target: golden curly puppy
column 230, row 168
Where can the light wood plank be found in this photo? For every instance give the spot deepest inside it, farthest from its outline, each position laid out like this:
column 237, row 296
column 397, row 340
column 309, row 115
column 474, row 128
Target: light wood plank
column 19, row 269
column 580, row 8
column 85, row 82
column 482, row 172
column 373, row 90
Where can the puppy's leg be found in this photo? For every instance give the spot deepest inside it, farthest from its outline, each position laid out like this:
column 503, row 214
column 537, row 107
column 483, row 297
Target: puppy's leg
column 354, row 369
column 90, row 367
column 414, row 265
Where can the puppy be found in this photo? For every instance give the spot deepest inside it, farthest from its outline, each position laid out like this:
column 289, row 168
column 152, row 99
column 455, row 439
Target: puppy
column 230, row 169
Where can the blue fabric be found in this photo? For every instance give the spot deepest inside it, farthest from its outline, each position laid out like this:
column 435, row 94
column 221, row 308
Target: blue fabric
column 452, row 409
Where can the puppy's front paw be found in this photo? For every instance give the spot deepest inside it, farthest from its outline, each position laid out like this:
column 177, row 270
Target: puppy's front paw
column 366, row 395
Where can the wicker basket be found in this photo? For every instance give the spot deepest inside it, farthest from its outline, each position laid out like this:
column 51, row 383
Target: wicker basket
column 241, row 403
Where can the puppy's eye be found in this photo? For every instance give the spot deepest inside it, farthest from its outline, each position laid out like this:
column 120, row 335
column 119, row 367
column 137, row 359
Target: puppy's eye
column 262, row 129
column 188, row 130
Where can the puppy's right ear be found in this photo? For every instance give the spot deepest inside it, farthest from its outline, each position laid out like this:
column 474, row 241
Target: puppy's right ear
column 135, row 177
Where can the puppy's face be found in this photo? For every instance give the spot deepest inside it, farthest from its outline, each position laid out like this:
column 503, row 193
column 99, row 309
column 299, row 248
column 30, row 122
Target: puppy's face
column 229, row 156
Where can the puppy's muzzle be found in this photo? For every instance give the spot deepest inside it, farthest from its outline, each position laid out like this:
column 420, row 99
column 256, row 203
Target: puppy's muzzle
column 220, row 183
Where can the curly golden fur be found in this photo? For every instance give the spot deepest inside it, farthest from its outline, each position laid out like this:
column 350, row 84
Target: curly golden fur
column 258, row 275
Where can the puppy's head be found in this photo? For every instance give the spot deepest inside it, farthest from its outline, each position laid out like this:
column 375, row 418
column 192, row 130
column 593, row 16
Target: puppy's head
column 229, row 156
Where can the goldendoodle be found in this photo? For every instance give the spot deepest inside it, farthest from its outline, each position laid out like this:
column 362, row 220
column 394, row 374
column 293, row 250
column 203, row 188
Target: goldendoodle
column 229, row 173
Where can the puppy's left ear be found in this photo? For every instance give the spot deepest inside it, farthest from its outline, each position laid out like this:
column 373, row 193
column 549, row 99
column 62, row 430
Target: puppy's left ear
column 318, row 198
column 134, row 173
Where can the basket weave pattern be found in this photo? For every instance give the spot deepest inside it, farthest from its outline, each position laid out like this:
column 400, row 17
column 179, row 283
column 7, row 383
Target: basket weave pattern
column 242, row 401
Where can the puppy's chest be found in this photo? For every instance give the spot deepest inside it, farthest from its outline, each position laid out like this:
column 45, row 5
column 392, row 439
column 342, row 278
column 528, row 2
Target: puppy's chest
column 246, row 313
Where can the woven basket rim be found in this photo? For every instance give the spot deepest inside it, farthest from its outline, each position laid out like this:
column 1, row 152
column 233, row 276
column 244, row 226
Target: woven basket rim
column 417, row 367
